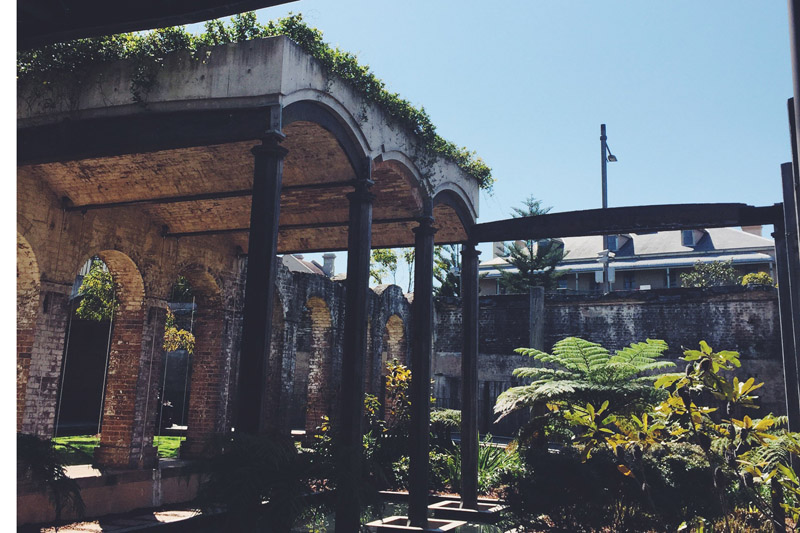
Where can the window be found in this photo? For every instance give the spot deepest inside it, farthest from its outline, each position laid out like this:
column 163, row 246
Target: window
column 673, row 279
column 562, row 284
column 612, row 243
column 687, row 237
column 629, row 280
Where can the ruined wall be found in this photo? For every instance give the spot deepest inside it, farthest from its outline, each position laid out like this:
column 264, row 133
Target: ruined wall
column 730, row 318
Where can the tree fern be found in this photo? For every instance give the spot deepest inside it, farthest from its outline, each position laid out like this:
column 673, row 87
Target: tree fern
column 580, row 371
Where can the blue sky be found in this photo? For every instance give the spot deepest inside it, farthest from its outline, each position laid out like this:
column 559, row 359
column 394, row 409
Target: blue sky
column 693, row 93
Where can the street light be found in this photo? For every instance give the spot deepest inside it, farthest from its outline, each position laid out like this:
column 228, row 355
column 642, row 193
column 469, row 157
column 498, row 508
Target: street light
column 605, row 157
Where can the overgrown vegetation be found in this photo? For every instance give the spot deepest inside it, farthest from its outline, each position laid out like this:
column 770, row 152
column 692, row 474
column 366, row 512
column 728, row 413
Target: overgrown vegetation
column 684, row 456
column 757, row 278
column 713, row 274
column 72, row 62
column 97, row 294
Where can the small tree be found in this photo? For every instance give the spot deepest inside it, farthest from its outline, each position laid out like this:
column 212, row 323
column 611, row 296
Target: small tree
column 714, row 274
column 384, row 260
column 535, row 261
column 447, row 270
column 97, row 291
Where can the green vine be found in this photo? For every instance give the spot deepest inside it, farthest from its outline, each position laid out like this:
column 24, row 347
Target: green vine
column 148, row 50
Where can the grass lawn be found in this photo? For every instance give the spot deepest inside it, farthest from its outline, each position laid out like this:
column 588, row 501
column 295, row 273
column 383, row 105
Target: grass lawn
column 79, row 450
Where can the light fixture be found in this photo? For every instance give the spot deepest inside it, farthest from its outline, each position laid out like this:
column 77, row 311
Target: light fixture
column 611, row 157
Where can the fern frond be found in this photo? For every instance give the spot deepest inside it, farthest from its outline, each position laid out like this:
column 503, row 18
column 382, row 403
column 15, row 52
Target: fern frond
column 577, row 354
column 538, row 373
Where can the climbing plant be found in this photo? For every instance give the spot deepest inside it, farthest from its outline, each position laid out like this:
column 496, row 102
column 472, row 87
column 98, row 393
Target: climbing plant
column 74, row 60
column 97, row 291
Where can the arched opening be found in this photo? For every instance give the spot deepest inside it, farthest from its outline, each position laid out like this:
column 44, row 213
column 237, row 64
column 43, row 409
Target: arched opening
column 28, row 294
column 92, row 306
column 204, row 371
column 320, row 368
column 179, row 346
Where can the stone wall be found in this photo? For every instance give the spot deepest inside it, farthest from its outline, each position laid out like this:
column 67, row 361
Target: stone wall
column 730, row 318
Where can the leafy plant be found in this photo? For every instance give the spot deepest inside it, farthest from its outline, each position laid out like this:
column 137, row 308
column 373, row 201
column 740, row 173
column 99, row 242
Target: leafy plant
column 713, row 274
column 97, row 291
column 383, row 260
column 581, row 372
column 757, row 278
column 176, row 338
column 40, row 463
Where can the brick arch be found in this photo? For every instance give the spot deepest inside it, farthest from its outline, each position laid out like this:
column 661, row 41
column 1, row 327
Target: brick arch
column 395, row 345
column 320, row 367
column 28, row 295
column 123, row 443
column 207, row 363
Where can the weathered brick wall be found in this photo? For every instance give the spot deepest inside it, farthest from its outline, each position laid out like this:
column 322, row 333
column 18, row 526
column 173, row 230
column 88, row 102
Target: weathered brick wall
column 735, row 318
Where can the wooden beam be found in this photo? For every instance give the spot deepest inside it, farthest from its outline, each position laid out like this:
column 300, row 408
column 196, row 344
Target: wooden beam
column 289, row 227
column 143, row 202
column 647, row 218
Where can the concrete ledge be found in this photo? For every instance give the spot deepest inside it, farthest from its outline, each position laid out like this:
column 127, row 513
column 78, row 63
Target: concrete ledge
column 114, row 492
column 398, row 523
column 486, row 513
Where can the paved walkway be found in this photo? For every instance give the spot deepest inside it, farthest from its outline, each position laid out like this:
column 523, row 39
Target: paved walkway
column 124, row 523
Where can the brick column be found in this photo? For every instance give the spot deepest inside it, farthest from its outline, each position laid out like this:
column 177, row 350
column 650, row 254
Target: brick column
column 44, row 369
column 208, row 364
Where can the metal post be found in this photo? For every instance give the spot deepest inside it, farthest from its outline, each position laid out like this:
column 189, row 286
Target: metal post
column 348, row 432
column 260, row 282
column 794, row 40
column 469, row 377
column 604, row 173
column 792, row 250
column 790, row 377
column 422, row 344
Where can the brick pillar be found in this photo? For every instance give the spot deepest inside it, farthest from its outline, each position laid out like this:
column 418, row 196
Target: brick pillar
column 44, row 369
column 124, row 441
column 28, row 292
column 205, row 385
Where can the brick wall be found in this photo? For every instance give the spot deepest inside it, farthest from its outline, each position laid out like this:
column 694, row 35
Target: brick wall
column 731, row 318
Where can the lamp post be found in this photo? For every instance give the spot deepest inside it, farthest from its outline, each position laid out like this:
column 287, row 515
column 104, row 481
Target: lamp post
column 605, row 157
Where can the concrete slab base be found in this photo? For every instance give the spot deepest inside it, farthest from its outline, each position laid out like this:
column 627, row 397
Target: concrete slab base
column 486, row 513
column 399, row 523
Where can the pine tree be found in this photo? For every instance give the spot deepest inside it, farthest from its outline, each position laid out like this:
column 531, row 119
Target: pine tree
column 532, row 262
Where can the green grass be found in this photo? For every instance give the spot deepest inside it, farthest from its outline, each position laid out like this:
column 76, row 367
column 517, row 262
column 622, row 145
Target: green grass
column 79, row 450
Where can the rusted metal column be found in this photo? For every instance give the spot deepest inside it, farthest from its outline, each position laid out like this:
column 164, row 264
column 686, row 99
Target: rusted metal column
column 469, row 376
column 790, row 376
column 348, row 426
column 422, row 344
column 260, row 283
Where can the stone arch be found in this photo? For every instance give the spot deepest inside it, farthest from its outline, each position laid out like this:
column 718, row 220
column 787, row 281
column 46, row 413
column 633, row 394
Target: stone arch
column 207, row 363
column 320, row 367
column 28, row 295
column 124, row 441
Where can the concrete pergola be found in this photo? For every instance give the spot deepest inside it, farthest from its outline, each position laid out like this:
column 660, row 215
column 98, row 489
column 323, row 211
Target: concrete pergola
column 256, row 148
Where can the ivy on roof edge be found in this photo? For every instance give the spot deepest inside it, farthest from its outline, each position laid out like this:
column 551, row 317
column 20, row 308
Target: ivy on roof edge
column 148, row 50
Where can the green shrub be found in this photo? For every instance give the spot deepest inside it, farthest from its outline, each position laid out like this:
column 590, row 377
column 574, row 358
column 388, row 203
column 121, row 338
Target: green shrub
column 757, row 278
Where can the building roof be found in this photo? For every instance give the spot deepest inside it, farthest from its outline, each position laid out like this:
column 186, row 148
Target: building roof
column 296, row 263
column 659, row 250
